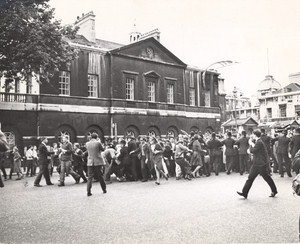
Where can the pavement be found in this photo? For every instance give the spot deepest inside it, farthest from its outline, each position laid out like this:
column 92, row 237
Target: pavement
column 204, row 210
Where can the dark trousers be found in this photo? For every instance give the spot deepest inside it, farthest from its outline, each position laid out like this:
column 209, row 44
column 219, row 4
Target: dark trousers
column 3, row 170
column 243, row 163
column 95, row 171
column 44, row 171
column 1, row 181
column 144, row 168
column 254, row 172
column 116, row 169
column 30, row 167
column 283, row 159
column 229, row 162
column 215, row 161
column 133, row 167
column 184, row 166
column 79, row 170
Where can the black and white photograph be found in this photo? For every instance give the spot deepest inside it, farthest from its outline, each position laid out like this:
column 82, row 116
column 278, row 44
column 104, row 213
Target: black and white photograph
column 163, row 121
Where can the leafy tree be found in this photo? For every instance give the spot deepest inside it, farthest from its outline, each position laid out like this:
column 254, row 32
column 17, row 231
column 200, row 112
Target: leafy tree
column 32, row 41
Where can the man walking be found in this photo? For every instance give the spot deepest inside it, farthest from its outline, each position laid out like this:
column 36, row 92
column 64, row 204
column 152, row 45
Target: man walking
column 283, row 154
column 94, row 163
column 260, row 166
column 66, row 161
column 43, row 163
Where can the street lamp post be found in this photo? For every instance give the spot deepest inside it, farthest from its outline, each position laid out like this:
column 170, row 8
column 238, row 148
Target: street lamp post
column 234, row 95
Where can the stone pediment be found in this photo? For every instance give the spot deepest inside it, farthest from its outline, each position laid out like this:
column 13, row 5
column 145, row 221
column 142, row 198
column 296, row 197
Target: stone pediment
column 149, row 49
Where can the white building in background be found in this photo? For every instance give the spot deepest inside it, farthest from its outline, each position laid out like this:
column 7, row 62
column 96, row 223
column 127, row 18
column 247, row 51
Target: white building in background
column 240, row 106
column 282, row 105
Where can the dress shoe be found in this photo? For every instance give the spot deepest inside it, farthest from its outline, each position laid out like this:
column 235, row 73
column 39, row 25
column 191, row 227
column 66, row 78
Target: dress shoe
column 273, row 194
column 282, row 176
column 242, row 194
column 37, row 185
column 50, row 184
column 77, row 180
column 61, row 184
column 89, row 194
column 157, row 183
column 104, row 191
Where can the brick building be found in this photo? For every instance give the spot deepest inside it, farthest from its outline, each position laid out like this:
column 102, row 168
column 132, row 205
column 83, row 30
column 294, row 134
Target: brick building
column 112, row 89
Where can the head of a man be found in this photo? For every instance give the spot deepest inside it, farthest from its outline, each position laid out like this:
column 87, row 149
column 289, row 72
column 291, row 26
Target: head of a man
column 257, row 134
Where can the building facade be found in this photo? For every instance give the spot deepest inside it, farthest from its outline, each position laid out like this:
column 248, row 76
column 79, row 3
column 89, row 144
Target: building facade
column 114, row 90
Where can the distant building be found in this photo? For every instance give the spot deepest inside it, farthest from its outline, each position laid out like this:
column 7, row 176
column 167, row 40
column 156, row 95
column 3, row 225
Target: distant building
column 284, row 104
column 241, row 107
column 268, row 86
column 294, row 78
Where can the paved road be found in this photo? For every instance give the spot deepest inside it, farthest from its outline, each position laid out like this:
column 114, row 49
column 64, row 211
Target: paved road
column 204, row 210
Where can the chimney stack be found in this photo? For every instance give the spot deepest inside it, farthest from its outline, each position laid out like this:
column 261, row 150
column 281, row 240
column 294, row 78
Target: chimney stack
column 86, row 24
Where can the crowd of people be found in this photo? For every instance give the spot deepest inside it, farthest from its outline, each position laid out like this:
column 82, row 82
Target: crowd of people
column 152, row 158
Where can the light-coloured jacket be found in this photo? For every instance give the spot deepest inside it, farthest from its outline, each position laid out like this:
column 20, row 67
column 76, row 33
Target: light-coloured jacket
column 94, row 149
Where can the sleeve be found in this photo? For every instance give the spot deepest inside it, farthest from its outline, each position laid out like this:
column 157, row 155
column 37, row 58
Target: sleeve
column 256, row 147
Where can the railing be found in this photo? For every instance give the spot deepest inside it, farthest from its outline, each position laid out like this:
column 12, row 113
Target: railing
column 102, row 102
column 18, row 98
column 12, row 97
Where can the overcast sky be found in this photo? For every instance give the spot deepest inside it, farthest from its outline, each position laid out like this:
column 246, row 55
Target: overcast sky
column 201, row 32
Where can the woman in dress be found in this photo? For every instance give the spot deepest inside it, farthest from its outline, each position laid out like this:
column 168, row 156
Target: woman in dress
column 17, row 163
column 196, row 159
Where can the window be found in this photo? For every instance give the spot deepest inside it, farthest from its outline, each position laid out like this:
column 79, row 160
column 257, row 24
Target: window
column 92, row 85
column 207, row 99
column 170, row 93
column 282, row 110
column 151, row 91
column 64, row 83
column 29, row 86
column 269, row 112
column 192, row 97
column 192, row 83
column 129, row 89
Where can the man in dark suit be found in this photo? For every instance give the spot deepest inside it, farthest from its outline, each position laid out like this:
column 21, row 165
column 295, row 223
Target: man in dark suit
column 260, row 166
column 229, row 152
column 215, row 153
column 132, row 146
column 43, row 163
column 282, row 154
column 295, row 143
column 243, row 145
column 94, row 163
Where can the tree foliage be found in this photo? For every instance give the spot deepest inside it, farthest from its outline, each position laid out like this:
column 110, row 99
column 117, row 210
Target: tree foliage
column 32, row 41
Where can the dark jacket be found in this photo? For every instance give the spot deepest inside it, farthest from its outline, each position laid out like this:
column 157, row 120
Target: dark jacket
column 229, row 142
column 267, row 140
column 43, row 154
column 283, row 145
column 260, row 154
column 295, row 144
column 214, row 146
column 243, row 145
